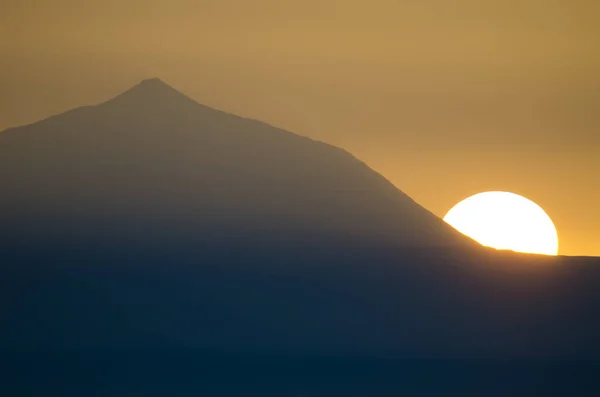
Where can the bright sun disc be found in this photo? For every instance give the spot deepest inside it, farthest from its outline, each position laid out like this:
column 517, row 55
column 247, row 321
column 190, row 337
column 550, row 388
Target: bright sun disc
column 504, row 220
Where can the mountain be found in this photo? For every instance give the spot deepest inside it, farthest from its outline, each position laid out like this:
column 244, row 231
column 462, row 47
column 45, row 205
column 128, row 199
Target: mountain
column 153, row 222
column 152, row 159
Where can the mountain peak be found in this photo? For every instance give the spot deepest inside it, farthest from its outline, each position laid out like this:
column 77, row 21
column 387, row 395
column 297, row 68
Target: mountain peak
column 153, row 82
column 153, row 86
column 149, row 94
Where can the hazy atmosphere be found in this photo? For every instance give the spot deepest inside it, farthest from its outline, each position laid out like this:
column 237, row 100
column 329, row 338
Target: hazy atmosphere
column 445, row 99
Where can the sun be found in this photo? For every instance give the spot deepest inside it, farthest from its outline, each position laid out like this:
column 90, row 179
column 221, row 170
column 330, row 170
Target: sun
column 505, row 220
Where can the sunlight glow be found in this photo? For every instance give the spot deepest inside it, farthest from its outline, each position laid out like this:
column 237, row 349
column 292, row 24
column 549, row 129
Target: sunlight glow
column 505, row 220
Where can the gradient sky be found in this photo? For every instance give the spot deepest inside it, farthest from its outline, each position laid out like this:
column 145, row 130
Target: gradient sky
column 444, row 98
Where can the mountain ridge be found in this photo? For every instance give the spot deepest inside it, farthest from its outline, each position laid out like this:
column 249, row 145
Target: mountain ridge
column 152, row 134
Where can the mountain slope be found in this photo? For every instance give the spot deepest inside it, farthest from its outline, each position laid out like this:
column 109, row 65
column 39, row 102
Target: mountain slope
column 151, row 158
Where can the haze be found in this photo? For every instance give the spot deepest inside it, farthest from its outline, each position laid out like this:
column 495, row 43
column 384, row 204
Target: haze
column 445, row 99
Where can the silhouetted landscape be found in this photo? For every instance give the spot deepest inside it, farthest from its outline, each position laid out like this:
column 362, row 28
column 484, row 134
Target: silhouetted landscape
column 151, row 244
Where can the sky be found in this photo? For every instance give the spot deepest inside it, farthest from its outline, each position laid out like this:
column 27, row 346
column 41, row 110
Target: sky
column 444, row 98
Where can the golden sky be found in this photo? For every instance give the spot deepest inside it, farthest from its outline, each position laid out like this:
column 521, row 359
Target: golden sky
column 444, row 98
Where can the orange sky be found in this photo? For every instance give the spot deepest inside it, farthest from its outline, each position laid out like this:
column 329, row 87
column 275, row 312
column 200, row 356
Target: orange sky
column 444, row 98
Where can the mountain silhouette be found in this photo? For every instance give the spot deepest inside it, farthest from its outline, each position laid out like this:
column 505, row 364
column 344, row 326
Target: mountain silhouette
column 152, row 221
column 152, row 158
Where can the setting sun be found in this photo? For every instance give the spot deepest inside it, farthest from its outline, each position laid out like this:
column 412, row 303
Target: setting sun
column 504, row 220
